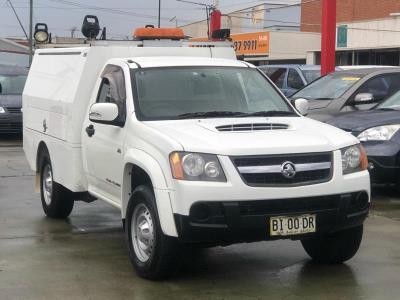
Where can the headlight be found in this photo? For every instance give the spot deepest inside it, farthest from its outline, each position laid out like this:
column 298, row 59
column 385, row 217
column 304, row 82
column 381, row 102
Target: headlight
column 2, row 110
column 196, row 166
column 380, row 133
column 354, row 159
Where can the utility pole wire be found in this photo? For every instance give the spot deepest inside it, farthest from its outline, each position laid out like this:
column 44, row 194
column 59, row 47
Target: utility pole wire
column 30, row 31
column 208, row 7
column 159, row 13
column 19, row 21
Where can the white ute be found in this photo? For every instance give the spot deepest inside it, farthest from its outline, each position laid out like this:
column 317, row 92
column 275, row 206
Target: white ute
column 194, row 147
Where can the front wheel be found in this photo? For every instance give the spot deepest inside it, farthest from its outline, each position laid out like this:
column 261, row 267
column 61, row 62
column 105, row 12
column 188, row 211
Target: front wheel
column 153, row 254
column 334, row 248
column 57, row 201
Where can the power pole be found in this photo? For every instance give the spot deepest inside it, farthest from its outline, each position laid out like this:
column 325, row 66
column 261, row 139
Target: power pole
column 328, row 36
column 30, row 31
column 159, row 13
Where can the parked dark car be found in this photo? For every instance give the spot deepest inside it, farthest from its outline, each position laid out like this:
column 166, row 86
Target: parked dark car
column 350, row 90
column 12, row 82
column 290, row 78
column 379, row 132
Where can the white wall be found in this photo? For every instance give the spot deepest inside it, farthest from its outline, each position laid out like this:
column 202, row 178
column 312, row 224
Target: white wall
column 374, row 34
column 292, row 45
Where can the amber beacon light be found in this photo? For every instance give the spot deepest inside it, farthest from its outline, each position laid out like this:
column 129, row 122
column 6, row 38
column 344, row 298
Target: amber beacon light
column 151, row 33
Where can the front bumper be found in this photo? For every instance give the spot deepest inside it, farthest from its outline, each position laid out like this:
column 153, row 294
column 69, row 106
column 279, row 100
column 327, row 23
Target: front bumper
column 223, row 223
column 11, row 123
column 384, row 159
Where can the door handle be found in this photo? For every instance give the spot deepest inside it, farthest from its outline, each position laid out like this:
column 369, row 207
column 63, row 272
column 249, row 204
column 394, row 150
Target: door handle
column 90, row 130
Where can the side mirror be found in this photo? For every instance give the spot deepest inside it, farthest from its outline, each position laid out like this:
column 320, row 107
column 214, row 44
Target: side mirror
column 301, row 105
column 105, row 113
column 364, row 98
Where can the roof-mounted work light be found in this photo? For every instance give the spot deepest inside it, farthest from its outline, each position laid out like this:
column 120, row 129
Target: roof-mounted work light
column 90, row 27
column 221, row 34
column 41, row 34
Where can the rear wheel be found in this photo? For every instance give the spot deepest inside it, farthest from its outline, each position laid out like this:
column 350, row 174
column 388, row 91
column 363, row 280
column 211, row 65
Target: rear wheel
column 57, row 201
column 334, row 248
column 153, row 254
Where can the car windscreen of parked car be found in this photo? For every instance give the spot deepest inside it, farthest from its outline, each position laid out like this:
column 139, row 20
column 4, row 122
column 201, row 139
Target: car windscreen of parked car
column 311, row 75
column 185, row 92
column 12, row 84
column 391, row 103
column 328, row 87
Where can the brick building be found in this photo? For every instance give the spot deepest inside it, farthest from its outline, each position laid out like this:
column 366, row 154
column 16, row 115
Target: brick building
column 368, row 31
column 347, row 11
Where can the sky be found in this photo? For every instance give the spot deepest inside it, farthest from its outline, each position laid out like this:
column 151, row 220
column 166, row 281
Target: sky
column 119, row 16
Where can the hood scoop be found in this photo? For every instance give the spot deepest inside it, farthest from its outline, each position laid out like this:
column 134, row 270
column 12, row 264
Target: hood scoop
column 252, row 127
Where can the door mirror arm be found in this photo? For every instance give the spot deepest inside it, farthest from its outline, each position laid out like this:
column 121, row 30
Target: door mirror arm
column 106, row 113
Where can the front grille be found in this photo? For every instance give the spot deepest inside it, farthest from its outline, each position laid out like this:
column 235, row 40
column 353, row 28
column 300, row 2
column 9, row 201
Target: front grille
column 10, row 128
column 14, row 110
column 288, row 206
column 310, row 168
column 252, row 127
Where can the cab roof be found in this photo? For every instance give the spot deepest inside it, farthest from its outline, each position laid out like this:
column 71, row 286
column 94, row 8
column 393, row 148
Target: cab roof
column 181, row 61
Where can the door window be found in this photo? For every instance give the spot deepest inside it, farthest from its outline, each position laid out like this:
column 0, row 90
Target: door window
column 277, row 75
column 381, row 87
column 294, row 80
column 112, row 89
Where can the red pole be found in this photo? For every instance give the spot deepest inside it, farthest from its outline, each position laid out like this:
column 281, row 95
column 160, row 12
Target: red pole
column 328, row 36
column 215, row 21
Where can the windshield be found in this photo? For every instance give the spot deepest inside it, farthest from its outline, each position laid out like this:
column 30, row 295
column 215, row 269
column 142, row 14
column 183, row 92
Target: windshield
column 328, row 87
column 392, row 102
column 193, row 92
column 12, row 84
column 311, row 75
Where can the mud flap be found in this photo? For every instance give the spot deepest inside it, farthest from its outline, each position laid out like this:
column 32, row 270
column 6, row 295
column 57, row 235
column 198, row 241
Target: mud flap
column 37, row 183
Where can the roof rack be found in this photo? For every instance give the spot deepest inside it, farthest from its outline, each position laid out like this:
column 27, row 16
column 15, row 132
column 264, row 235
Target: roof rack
column 142, row 43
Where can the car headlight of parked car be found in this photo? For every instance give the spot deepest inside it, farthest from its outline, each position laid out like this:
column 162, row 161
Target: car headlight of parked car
column 380, row 133
column 354, row 159
column 2, row 110
column 196, row 167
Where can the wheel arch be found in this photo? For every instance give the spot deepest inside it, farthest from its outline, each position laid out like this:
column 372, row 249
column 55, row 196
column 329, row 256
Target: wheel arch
column 141, row 168
column 42, row 148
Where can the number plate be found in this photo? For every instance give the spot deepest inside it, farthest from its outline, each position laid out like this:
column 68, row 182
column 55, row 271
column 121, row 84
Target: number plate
column 292, row 225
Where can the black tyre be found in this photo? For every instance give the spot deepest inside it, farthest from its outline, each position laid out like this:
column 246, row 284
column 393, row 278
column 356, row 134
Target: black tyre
column 334, row 248
column 57, row 201
column 153, row 254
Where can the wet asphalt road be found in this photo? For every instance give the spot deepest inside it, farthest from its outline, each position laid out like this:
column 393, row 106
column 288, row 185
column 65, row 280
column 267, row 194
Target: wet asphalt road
column 85, row 257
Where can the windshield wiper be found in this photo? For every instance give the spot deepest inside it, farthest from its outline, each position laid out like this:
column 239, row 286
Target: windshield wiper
column 388, row 108
column 323, row 98
column 269, row 113
column 209, row 114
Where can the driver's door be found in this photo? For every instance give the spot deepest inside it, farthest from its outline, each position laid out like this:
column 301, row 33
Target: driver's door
column 103, row 143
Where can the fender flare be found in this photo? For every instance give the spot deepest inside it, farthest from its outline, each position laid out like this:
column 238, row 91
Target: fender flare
column 163, row 203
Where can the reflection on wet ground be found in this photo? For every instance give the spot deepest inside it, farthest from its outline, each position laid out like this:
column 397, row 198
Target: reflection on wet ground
column 86, row 257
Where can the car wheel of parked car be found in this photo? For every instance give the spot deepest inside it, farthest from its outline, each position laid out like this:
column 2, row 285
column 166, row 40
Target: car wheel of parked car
column 57, row 201
column 153, row 254
column 334, row 248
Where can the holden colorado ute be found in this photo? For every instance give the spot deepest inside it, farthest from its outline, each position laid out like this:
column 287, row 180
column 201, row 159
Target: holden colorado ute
column 194, row 147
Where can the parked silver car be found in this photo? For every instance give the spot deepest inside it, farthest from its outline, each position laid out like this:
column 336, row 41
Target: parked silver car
column 12, row 82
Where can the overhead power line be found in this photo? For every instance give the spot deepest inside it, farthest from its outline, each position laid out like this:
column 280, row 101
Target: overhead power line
column 19, row 21
column 107, row 9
